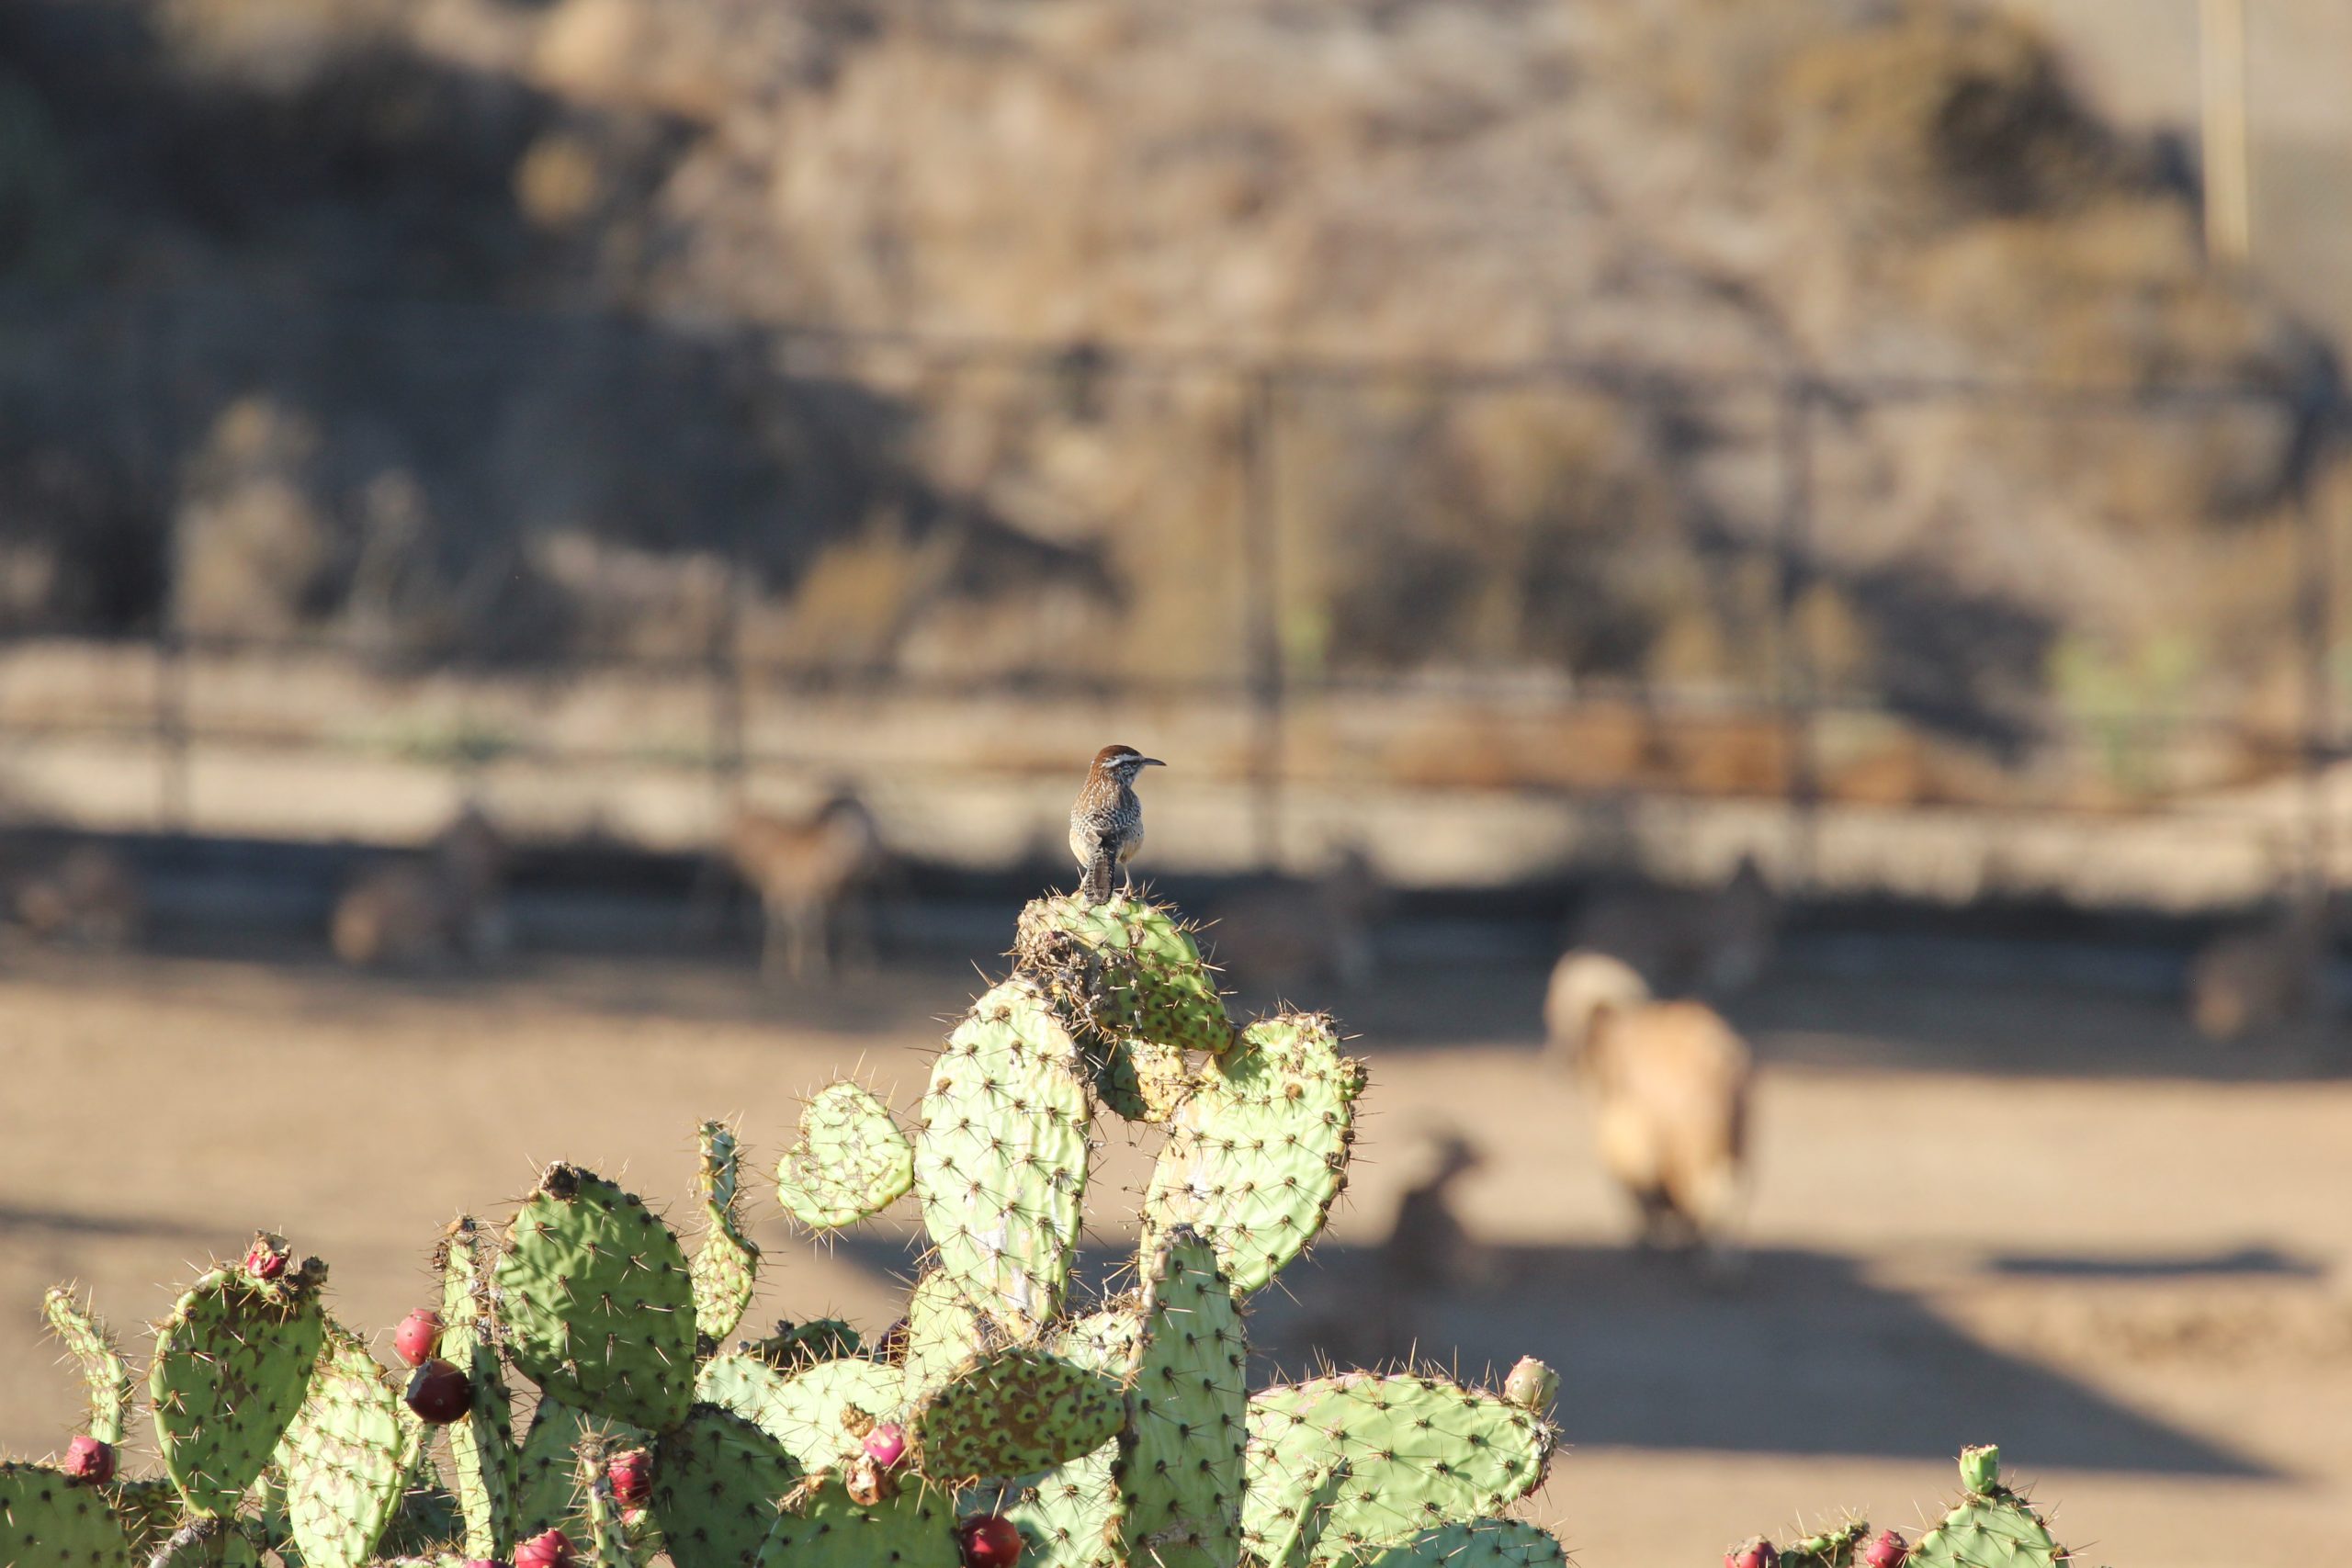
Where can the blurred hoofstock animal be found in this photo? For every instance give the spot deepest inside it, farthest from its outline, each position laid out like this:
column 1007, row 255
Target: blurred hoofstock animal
column 1669, row 1084
column 813, row 875
column 1684, row 941
column 90, row 896
column 2257, row 978
column 1273, row 935
column 448, row 903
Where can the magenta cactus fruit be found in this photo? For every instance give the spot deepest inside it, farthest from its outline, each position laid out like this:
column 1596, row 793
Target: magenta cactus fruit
column 885, row 1445
column 988, row 1540
column 440, row 1393
column 266, row 1258
column 1886, row 1550
column 418, row 1338
column 86, row 1459
column 1753, row 1553
column 550, row 1548
column 631, row 1474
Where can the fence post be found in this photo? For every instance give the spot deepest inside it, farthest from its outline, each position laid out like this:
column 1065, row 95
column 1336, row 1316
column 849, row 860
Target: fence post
column 1795, row 699
column 726, row 673
column 2315, row 618
column 1261, row 557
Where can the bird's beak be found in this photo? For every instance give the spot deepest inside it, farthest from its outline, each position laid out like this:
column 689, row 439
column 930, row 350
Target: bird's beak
column 1151, row 763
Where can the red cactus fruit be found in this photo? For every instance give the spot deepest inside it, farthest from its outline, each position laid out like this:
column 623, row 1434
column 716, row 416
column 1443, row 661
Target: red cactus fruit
column 552, row 1548
column 440, row 1393
column 418, row 1338
column 1886, row 1550
column 988, row 1540
column 86, row 1459
column 266, row 1260
column 885, row 1445
column 632, row 1477
column 482, row 1562
column 1753, row 1553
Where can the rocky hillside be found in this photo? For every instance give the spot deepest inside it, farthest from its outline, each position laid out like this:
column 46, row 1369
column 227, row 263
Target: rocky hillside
column 449, row 338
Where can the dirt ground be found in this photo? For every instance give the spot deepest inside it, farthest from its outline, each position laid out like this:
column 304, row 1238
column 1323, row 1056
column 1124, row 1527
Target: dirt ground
column 2039, row 1216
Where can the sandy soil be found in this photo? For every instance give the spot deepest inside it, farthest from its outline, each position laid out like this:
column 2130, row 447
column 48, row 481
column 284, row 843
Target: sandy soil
column 2032, row 1217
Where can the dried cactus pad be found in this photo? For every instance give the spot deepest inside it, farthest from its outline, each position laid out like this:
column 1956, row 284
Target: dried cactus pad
column 598, row 1307
column 717, row 1482
column 1012, row 1413
column 346, row 1457
column 1000, row 1167
column 807, row 1410
column 1259, row 1150
column 851, row 1161
column 726, row 1266
column 48, row 1521
column 1129, row 969
column 1180, row 1470
column 821, row 1526
column 1479, row 1543
column 1419, row 1451
column 231, row 1363
column 93, row 1349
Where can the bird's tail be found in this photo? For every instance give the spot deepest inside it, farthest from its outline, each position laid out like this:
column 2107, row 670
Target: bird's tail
column 1097, row 886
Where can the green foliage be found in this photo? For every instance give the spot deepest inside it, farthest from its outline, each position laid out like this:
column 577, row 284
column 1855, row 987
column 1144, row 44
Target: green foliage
column 482, row 1446
column 231, row 1364
column 346, row 1457
column 93, row 1349
column 726, row 1266
column 48, row 1521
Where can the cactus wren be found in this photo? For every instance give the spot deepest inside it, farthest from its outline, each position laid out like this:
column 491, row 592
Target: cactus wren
column 1106, row 825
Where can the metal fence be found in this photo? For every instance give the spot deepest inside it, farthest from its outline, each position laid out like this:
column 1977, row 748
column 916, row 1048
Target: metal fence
column 750, row 449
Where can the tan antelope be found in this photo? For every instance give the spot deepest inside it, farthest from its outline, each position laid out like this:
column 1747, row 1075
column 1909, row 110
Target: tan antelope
column 90, row 897
column 1670, row 1085
column 1302, row 933
column 1711, row 941
column 448, row 903
column 811, row 874
column 2260, row 978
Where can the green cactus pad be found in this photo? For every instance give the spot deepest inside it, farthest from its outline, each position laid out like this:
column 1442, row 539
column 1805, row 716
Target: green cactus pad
column 1991, row 1527
column 48, row 1521
column 598, row 1308
column 149, row 1511
column 232, row 1362
column 1420, row 1451
column 605, row 1537
column 549, row 1495
column 84, row 1337
column 945, row 1329
column 1067, row 1517
column 482, row 1446
column 1298, row 1541
column 1000, row 1167
column 1129, row 969
column 1010, row 1412
column 1138, row 1079
column 851, row 1161
column 346, row 1457
column 1476, row 1543
column 1259, row 1150
column 794, row 1346
column 717, row 1482
column 805, row 1410
column 726, row 1266
column 821, row 1526
column 1180, row 1470
column 1826, row 1548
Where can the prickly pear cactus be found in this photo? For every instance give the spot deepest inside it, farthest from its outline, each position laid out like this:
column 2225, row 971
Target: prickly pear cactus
column 1128, row 968
column 231, row 1364
column 1179, row 1472
column 822, row 1526
column 717, row 1482
column 87, row 1339
column 346, row 1457
column 1479, row 1543
column 1000, row 1168
column 811, row 1412
column 1010, row 1413
column 481, row 1443
column 48, row 1521
column 1419, row 1450
column 1991, row 1527
column 726, row 1265
column 596, row 1302
column 851, row 1161
column 1260, row 1149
